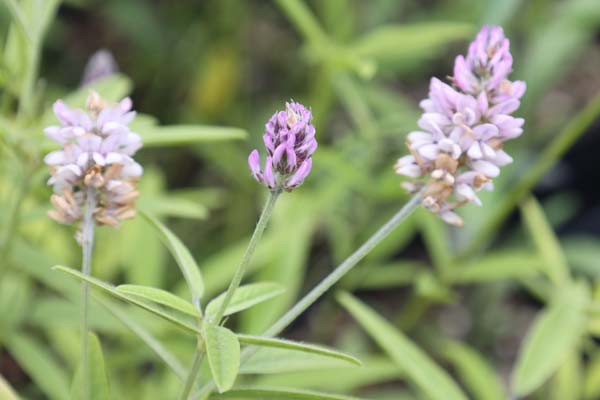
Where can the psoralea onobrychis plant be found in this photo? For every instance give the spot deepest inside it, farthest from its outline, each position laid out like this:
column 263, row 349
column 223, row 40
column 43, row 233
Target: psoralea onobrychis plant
column 464, row 126
column 94, row 179
column 457, row 153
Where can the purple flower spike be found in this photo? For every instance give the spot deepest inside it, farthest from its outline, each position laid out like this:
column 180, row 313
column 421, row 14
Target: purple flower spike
column 290, row 143
column 464, row 126
column 95, row 159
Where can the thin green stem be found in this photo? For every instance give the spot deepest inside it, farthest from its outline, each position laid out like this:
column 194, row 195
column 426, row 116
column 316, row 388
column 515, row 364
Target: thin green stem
column 87, row 245
column 191, row 379
column 343, row 268
column 241, row 269
column 328, row 282
column 235, row 283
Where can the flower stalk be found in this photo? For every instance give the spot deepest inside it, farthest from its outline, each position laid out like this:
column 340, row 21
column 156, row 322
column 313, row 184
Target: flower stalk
column 87, row 245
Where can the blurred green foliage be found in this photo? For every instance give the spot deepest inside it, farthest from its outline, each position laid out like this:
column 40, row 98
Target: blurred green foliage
column 457, row 303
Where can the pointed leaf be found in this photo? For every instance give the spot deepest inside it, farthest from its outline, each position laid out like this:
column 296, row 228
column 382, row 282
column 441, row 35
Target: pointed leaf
column 555, row 262
column 296, row 346
column 552, row 337
column 41, row 366
column 154, row 309
column 279, row 394
column 419, row 368
column 147, row 338
column 188, row 134
column 245, row 297
column 223, row 352
column 98, row 385
column 182, row 255
column 159, row 296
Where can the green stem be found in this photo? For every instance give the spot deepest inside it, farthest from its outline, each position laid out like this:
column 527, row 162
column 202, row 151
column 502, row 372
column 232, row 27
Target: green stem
column 328, row 282
column 191, row 379
column 241, row 269
column 343, row 268
column 235, row 283
column 87, row 245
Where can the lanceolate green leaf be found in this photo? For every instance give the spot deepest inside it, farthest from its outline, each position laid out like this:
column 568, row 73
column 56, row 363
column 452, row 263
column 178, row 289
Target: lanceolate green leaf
column 302, row 347
column 473, row 370
column 554, row 334
column 555, row 262
column 245, row 297
column 40, row 365
column 159, row 296
column 223, row 352
column 97, row 283
column 418, row 367
column 279, row 394
column 188, row 134
column 99, row 388
column 182, row 255
column 147, row 338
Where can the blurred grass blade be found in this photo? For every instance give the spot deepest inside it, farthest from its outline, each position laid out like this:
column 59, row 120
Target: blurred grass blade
column 279, row 394
column 304, row 20
column 159, row 296
column 473, row 369
column 150, row 307
column 567, row 383
column 436, row 238
column 555, row 263
column 99, row 388
column 172, row 206
column 419, row 368
column 399, row 43
column 177, row 135
column 245, row 297
column 6, row 391
column 17, row 15
column 553, row 336
column 223, row 352
column 39, row 364
column 501, row 265
column 182, row 255
column 296, row 346
column 169, row 359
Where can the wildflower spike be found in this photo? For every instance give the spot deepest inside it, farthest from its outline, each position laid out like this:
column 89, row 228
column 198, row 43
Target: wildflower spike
column 95, row 159
column 459, row 149
column 290, row 143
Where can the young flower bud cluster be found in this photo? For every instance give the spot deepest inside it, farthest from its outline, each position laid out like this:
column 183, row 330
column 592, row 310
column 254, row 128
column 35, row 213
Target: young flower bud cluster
column 290, row 142
column 95, row 160
column 464, row 126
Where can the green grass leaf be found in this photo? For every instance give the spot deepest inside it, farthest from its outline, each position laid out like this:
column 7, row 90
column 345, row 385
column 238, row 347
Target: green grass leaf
column 474, row 370
column 554, row 334
column 182, row 255
column 177, row 135
column 150, row 307
column 245, row 297
column 417, row 366
column 555, row 263
column 279, row 394
column 99, row 387
column 41, row 366
column 168, row 358
column 502, row 265
column 159, row 296
column 296, row 346
column 223, row 352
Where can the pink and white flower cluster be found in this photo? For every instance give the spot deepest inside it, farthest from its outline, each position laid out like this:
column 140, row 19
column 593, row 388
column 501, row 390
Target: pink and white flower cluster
column 459, row 149
column 95, row 160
